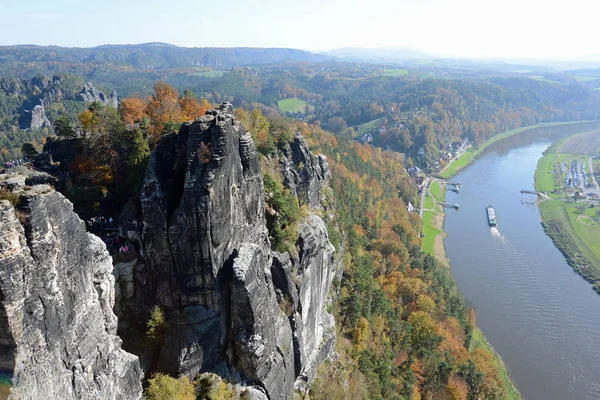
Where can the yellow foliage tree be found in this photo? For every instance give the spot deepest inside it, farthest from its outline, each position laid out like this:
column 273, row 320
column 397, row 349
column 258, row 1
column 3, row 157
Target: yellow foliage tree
column 88, row 120
column 164, row 387
column 362, row 334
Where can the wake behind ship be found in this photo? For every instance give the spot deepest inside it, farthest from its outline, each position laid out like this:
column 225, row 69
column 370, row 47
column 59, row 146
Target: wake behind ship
column 491, row 213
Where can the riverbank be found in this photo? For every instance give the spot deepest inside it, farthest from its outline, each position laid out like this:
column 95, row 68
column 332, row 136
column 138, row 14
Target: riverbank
column 573, row 223
column 433, row 222
column 469, row 156
column 480, row 342
column 433, row 243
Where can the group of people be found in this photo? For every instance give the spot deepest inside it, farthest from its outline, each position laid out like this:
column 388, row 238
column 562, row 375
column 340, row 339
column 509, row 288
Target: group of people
column 100, row 222
column 14, row 163
column 118, row 244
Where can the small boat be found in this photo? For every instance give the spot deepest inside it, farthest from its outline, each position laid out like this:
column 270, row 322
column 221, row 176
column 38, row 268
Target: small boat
column 491, row 213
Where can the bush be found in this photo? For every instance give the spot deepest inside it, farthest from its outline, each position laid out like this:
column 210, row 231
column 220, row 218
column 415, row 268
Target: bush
column 164, row 387
column 6, row 194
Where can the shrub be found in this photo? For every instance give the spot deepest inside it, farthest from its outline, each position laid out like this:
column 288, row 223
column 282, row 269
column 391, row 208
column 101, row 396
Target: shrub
column 6, row 194
column 164, row 387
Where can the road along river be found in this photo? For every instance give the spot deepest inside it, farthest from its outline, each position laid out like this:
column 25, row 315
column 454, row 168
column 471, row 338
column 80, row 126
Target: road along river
column 541, row 316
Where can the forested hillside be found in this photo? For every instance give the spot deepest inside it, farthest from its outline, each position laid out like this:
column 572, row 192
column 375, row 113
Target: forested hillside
column 28, row 60
column 418, row 111
column 404, row 331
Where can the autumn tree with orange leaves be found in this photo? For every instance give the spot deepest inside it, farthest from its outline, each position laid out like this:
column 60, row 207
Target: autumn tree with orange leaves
column 163, row 108
column 132, row 110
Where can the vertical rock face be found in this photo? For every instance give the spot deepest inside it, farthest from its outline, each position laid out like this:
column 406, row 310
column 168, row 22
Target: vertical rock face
column 34, row 119
column 207, row 261
column 57, row 328
column 304, row 173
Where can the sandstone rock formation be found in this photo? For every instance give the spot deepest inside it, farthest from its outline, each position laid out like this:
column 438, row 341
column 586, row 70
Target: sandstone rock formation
column 34, row 119
column 57, row 328
column 91, row 94
column 234, row 306
column 304, row 173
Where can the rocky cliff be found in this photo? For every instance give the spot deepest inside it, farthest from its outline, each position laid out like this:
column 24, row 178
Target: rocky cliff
column 34, row 119
column 57, row 328
column 234, row 306
column 91, row 94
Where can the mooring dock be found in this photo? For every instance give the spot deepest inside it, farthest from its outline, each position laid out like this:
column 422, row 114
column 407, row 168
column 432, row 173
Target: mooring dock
column 451, row 205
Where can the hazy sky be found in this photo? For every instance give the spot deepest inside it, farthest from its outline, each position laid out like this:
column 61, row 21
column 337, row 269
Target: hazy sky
column 464, row 28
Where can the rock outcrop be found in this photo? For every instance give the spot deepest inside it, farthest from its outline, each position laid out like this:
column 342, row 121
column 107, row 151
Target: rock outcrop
column 304, row 173
column 57, row 328
column 234, row 306
column 91, row 94
column 34, row 119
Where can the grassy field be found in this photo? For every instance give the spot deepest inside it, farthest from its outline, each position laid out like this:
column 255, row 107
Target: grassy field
column 395, row 72
column 470, row 155
column 429, row 203
column 479, row 341
column 292, row 105
column 368, row 126
column 210, row 74
column 542, row 79
column 586, row 78
column 573, row 226
column 434, row 189
column 430, row 230
column 575, row 234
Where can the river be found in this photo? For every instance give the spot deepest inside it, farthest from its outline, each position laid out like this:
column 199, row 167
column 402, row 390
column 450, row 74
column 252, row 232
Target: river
column 541, row 316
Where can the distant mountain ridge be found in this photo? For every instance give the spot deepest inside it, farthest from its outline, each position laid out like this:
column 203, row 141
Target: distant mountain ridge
column 155, row 55
column 382, row 54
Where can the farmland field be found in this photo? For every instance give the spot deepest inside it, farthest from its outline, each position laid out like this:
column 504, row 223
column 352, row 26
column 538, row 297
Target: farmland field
column 585, row 143
column 292, row 105
column 368, row 126
column 395, row 72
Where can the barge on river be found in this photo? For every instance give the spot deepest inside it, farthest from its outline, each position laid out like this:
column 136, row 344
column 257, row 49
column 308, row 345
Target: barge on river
column 491, row 214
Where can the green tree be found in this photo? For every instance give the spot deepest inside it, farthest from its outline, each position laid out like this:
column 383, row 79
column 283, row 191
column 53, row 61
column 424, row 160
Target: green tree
column 28, row 150
column 157, row 325
column 63, row 127
column 423, row 334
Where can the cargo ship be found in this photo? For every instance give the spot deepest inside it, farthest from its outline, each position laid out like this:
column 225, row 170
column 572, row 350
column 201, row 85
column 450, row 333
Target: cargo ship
column 491, row 215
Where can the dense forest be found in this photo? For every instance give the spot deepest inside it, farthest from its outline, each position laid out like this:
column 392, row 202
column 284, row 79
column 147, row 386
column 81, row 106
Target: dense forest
column 419, row 112
column 404, row 331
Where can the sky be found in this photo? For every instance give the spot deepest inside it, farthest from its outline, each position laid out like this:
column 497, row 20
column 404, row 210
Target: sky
column 520, row 29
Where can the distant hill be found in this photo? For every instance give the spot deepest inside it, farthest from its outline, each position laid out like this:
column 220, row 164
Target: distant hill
column 383, row 54
column 149, row 56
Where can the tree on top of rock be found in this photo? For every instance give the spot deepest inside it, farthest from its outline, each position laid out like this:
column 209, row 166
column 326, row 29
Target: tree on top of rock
column 163, row 108
column 63, row 127
column 190, row 108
